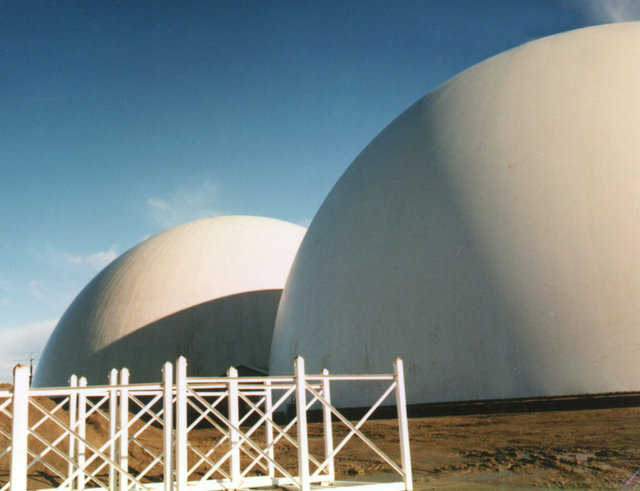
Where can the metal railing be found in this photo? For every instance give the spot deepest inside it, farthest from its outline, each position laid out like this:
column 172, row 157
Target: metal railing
column 82, row 437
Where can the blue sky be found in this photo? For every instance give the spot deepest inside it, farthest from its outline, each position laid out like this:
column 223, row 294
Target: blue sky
column 121, row 119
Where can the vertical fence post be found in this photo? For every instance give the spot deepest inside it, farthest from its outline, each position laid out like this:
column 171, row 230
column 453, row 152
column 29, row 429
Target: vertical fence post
column 19, row 428
column 234, row 419
column 301, row 413
column 328, row 428
column 73, row 405
column 268, row 406
column 167, row 405
column 403, row 425
column 113, row 415
column 82, row 432
column 181, row 424
column 124, row 428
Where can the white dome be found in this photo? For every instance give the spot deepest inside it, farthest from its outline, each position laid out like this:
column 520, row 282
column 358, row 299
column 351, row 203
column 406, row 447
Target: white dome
column 490, row 235
column 208, row 290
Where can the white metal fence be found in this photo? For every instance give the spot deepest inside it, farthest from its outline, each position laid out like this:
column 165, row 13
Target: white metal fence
column 87, row 437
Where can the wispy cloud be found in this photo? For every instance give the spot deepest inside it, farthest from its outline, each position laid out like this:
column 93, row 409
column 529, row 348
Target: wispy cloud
column 158, row 204
column 604, row 11
column 61, row 276
column 35, row 288
column 184, row 204
column 52, row 256
column 97, row 260
column 18, row 343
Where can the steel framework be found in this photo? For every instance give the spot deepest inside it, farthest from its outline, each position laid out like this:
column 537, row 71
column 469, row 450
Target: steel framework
column 135, row 418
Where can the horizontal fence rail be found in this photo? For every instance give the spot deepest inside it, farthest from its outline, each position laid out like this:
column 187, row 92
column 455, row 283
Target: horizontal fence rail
column 126, row 436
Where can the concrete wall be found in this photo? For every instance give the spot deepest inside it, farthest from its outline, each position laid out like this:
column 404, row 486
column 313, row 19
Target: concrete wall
column 208, row 289
column 490, row 235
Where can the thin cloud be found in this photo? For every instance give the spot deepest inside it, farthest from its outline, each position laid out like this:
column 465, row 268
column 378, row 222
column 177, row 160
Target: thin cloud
column 53, row 257
column 605, row 11
column 97, row 260
column 62, row 275
column 158, row 204
column 18, row 343
column 35, row 288
column 184, row 205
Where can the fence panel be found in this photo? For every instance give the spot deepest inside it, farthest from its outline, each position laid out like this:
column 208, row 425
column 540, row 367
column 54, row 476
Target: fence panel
column 230, row 432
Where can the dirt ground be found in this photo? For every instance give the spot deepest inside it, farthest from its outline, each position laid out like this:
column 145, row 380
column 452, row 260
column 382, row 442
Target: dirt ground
column 589, row 448
column 562, row 449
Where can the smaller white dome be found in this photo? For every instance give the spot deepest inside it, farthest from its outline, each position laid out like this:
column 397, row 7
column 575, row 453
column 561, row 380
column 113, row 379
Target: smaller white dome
column 208, row 289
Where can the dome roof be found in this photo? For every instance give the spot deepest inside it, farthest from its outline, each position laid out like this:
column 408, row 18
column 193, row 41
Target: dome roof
column 489, row 235
column 198, row 289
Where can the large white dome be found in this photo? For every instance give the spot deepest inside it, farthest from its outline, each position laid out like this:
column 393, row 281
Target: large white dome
column 208, row 290
column 490, row 235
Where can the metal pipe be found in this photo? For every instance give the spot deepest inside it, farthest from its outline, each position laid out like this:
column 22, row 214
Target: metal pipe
column 113, row 421
column 328, row 427
column 181, row 424
column 403, row 425
column 167, row 434
column 19, row 428
column 82, row 432
column 124, row 428
column 73, row 405
column 301, row 413
column 234, row 438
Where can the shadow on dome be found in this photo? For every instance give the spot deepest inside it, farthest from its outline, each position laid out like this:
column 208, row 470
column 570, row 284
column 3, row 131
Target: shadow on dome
column 234, row 330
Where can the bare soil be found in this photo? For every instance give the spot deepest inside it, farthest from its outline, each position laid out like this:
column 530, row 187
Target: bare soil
column 589, row 448
column 561, row 449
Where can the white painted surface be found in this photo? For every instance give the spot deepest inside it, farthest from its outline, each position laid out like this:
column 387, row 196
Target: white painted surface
column 19, row 428
column 403, row 423
column 489, row 235
column 301, row 424
column 182, row 465
column 167, row 426
column 234, row 434
column 208, row 290
column 188, row 391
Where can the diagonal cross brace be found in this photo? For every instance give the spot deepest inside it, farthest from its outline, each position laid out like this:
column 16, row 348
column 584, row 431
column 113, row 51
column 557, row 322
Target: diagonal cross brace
column 355, row 429
column 242, row 435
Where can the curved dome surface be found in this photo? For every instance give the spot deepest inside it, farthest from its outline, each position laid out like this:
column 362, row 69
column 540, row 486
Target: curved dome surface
column 208, row 289
column 490, row 235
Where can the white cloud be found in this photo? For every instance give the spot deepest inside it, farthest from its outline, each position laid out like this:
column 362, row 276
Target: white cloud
column 184, row 205
column 35, row 288
column 97, row 260
column 158, row 204
column 45, row 296
column 54, row 257
column 604, row 11
column 18, row 343
column 47, row 254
